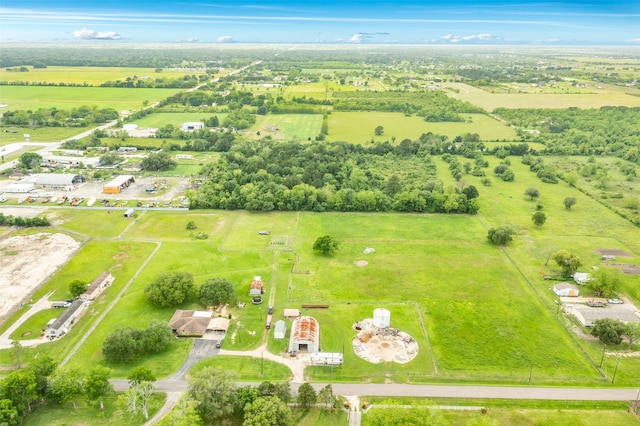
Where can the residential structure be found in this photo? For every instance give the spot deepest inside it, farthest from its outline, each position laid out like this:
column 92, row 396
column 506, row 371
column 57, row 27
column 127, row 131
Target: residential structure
column 63, row 323
column 187, row 323
column 566, row 290
column 98, row 285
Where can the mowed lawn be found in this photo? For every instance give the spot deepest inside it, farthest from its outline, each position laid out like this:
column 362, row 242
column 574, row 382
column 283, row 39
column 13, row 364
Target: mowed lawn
column 35, row 97
column 359, row 127
column 490, row 101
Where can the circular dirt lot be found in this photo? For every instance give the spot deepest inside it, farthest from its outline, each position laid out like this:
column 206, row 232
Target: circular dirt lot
column 378, row 345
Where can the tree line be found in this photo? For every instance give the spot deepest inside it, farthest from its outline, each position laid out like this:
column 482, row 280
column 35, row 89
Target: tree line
column 26, row 222
column 52, row 117
column 267, row 175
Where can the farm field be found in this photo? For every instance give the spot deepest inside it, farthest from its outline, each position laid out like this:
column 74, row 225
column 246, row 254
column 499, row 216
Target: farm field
column 90, row 75
column 490, row 101
column 358, row 127
column 35, row 97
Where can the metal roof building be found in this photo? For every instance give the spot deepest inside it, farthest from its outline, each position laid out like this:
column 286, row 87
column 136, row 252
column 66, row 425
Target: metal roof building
column 280, row 330
column 55, row 180
column 118, row 184
column 305, row 335
column 588, row 315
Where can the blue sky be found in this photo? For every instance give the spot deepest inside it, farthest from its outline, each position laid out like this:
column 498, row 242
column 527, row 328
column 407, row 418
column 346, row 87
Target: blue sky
column 330, row 21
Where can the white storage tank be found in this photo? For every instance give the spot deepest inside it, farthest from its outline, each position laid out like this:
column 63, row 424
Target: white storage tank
column 381, row 318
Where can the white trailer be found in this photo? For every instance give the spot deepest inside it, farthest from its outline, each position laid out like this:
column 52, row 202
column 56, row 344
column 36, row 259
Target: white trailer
column 326, row 358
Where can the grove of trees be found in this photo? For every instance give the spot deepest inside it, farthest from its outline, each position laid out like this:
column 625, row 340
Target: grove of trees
column 128, row 343
column 170, row 288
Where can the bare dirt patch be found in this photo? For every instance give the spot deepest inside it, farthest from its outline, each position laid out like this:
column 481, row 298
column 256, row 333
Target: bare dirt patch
column 37, row 257
column 627, row 268
column 378, row 345
column 613, row 252
column 120, row 255
column 361, row 263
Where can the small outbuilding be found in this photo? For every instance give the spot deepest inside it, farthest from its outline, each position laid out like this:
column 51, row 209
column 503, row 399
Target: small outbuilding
column 280, row 330
column 305, row 335
column 19, row 188
column 566, row 290
column 118, row 184
column 257, row 287
column 219, row 325
column 291, row 314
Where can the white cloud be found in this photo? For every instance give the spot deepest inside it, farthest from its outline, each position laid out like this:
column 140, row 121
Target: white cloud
column 224, row 39
column 467, row 38
column 633, row 40
column 356, row 38
column 87, row 34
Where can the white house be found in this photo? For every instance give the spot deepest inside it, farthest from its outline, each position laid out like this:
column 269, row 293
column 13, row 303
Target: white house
column 190, row 126
column 566, row 290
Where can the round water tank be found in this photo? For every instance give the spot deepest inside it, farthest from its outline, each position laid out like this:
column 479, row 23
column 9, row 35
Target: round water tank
column 381, row 318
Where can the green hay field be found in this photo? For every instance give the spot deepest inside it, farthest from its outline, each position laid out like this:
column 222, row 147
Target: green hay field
column 288, row 126
column 358, row 127
column 89, row 75
column 35, row 97
column 490, row 101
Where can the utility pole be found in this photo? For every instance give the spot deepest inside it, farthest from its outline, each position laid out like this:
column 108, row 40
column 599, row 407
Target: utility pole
column 615, row 371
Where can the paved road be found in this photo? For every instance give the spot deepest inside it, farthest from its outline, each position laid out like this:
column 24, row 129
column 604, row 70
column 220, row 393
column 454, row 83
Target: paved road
column 447, row 391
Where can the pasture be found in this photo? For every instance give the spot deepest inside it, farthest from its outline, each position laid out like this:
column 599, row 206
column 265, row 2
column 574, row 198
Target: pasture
column 490, row 101
column 288, row 126
column 92, row 76
column 359, row 127
column 35, row 97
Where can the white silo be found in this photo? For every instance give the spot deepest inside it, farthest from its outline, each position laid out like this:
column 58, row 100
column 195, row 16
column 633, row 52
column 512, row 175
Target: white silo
column 381, row 318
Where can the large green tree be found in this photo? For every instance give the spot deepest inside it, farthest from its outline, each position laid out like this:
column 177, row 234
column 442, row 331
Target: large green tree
column 158, row 162
column 568, row 262
column 97, row 385
column 539, row 218
column 9, row 415
column 214, row 391
column 500, row 235
column 183, row 414
column 605, row 281
column 532, row 193
column 42, row 366
column 21, row 388
column 170, row 288
column 77, row 287
column 267, row 411
column 140, row 374
column 326, row 245
column 66, row 384
column 124, row 344
column 136, row 399
column 608, row 330
column 307, row 395
column 569, row 202
column 30, row 160
column 157, row 337
column 217, row 291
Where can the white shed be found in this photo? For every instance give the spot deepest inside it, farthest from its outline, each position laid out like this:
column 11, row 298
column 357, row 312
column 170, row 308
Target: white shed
column 280, row 330
column 190, row 126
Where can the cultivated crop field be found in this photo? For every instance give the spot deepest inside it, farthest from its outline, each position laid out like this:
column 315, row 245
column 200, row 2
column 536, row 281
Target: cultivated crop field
column 490, row 101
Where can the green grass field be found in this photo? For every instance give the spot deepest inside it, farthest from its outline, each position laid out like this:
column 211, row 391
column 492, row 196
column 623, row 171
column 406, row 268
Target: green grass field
column 358, row 127
column 247, row 369
column 288, row 126
column 41, row 134
column 90, row 75
column 490, row 101
column 35, row 97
